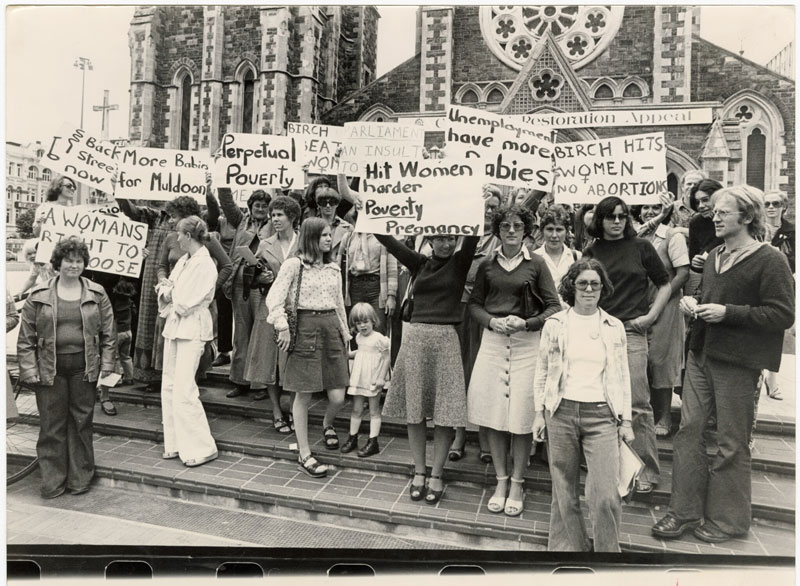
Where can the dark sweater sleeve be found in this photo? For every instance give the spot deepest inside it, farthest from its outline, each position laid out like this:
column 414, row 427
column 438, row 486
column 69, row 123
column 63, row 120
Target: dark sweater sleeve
column 213, row 211
column 410, row 259
column 547, row 291
column 652, row 264
column 465, row 256
column 694, row 241
column 477, row 300
column 232, row 212
column 170, row 242
column 224, row 264
column 776, row 291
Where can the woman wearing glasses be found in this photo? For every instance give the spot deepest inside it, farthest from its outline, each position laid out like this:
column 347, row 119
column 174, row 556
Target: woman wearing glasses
column 500, row 397
column 61, row 191
column 582, row 395
column 328, row 200
column 632, row 264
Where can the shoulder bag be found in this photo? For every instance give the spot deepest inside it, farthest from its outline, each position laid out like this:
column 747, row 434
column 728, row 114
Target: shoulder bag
column 291, row 315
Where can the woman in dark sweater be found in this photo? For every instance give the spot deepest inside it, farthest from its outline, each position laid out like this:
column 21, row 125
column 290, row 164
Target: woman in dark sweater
column 632, row 263
column 702, row 238
column 500, row 398
column 428, row 380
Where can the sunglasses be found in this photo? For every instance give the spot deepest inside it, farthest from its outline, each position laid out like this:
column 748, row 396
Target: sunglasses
column 772, row 204
column 617, row 217
column 506, row 226
column 327, row 201
column 583, row 285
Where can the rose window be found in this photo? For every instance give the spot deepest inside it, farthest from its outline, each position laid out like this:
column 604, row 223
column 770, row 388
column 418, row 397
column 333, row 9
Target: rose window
column 546, row 87
column 582, row 32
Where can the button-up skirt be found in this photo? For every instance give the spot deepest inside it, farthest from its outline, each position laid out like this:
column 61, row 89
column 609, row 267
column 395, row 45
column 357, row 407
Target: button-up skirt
column 501, row 388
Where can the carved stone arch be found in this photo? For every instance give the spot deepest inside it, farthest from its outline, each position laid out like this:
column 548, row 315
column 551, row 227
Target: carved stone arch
column 244, row 102
column 181, row 70
column 176, row 70
column 633, row 80
column 607, row 81
column 378, row 113
column 466, row 88
column 495, row 85
column 244, row 65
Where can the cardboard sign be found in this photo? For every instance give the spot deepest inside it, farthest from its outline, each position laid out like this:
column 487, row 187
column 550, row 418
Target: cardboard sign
column 320, row 143
column 259, row 161
column 633, row 168
column 609, row 118
column 161, row 174
column 520, row 155
column 427, row 197
column 368, row 142
column 115, row 242
column 83, row 157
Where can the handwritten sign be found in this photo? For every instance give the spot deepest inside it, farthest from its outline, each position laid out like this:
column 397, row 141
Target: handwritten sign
column 425, row 197
column 610, row 118
column 518, row 155
column 78, row 154
column 367, row 142
column 320, row 143
column 161, row 174
column 259, row 161
column 115, row 242
column 633, row 168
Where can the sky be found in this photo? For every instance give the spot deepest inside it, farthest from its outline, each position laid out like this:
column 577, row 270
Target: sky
column 43, row 89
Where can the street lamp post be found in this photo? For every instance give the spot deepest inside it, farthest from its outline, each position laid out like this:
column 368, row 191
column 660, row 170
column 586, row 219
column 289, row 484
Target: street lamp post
column 83, row 63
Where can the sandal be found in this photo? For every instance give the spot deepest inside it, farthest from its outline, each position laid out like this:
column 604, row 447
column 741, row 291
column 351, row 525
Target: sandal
column 485, row 457
column 662, row 430
column 455, row 454
column 108, row 407
column 497, row 503
column 311, row 466
column 514, row 508
column 330, row 438
column 291, row 421
column 434, row 496
column 416, row 491
column 281, row 426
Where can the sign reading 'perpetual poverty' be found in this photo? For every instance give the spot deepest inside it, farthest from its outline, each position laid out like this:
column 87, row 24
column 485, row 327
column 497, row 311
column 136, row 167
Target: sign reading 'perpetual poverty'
column 161, row 174
column 115, row 242
column 369, row 142
column 78, row 154
column 633, row 168
column 427, row 197
column 321, row 143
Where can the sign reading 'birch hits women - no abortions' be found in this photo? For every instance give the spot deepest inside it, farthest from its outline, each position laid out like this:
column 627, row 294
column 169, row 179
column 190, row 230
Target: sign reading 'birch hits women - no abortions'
column 370, row 142
column 633, row 168
column 115, row 242
column 320, row 144
column 408, row 198
column 161, row 174
column 513, row 154
column 78, row 154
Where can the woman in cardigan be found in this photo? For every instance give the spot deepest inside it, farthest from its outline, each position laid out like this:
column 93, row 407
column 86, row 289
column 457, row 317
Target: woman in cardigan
column 702, row 238
column 500, row 397
column 428, row 380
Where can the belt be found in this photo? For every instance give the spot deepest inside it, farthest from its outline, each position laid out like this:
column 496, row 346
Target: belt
column 366, row 277
column 316, row 311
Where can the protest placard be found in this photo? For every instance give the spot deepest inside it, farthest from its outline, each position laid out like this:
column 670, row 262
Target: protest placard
column 633, row 168
column 259, row 161
column 320, row 143
column 161, row 174
column 610, row 118
column 405, row 198
column 115, row 242
column 368, row 142
column 84, row 157
column 518, row 155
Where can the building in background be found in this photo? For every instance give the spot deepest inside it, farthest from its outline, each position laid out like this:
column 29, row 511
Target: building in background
column 26, row 180
column 783, row 62
column 198, row 72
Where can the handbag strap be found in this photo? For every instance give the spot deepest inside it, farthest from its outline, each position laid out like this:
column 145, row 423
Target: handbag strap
column 297, row 292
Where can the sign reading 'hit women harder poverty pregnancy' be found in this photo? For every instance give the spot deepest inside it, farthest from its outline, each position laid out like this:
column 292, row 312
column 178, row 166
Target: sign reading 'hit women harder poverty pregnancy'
column 633, row 168
column 161, row 174
column 407, row 198
column 78, row 154
column 115, row 242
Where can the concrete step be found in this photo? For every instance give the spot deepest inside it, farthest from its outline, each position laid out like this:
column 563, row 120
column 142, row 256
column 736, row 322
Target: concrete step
column 378, row 501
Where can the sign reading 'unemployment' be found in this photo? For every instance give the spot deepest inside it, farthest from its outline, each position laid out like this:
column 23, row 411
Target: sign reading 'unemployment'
column 161, row 174
column 407, row 198
column 633, row 168
column 82, row 156
column 115, row 242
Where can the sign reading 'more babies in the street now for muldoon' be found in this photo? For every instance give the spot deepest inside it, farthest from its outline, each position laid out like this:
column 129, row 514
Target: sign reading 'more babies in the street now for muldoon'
column 423, row 197
column 86, row 158
column 633, row 168
column 161, row 174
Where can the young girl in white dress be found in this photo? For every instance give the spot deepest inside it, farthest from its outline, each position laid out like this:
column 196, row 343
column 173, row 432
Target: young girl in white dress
column 367, row 377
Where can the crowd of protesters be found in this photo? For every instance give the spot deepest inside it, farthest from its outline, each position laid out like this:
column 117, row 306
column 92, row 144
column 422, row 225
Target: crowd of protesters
column 561, row 326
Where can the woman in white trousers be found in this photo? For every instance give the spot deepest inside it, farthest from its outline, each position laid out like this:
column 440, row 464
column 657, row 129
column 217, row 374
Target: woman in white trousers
column 184, row 300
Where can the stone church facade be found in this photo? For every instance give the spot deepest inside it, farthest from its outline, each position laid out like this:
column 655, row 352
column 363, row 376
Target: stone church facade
column 199, row 72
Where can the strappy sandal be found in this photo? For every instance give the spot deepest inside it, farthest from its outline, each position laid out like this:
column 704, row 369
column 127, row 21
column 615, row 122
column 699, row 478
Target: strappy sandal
column 311, row 466
column 434, row 496
column 282, row 426
column 515, row 508
column 417, row 492
column 485, row 457
column 330, row 438
column 291, row 421
column 497, row 503
column 455, row 454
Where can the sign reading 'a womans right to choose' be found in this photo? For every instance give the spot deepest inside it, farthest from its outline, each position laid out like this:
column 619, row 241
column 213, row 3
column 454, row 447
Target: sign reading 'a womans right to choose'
column 408, row 198
column 633, row 168
column 115, row 242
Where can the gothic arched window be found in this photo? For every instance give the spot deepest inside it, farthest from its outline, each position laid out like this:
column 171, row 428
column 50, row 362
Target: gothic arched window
column 185, row 100
column 249, row 86
column 469, row 97
column 604, row 92
column 756, row 158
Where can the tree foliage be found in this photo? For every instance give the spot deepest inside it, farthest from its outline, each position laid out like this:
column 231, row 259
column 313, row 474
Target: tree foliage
column 25, row 223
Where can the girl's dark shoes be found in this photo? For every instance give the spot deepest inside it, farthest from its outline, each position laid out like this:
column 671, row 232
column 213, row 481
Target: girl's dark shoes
column 350, row 445
column 434, row 496
column 417, row 491
column 370, row 448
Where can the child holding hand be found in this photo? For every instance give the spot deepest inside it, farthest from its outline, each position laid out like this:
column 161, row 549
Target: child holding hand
column 367, row 378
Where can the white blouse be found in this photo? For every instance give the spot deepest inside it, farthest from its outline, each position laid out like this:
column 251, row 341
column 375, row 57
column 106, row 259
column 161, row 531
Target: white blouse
column 194, row 280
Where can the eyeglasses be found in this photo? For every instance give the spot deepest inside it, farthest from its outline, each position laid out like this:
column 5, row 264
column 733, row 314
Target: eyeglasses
column 70, row 186
column 617, row 217
column 772, row 204
column 722, row 214
column 327, row 201
column 583, row 285
column 506, row 226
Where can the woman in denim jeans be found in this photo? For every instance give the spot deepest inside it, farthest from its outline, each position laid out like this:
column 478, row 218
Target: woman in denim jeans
column 67, row 339
column 582, row 395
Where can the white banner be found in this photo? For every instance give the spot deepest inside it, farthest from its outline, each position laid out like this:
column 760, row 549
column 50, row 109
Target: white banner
column 609, row 118
column 161, row 174
column 115, row 242
column 368, row 142
column 633, row 168
column 320, row 143
column 83, row 157
column 427, row 197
